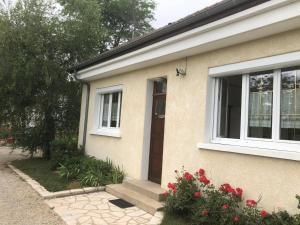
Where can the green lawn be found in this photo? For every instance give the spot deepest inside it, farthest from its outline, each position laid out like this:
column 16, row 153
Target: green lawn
column 40, row 170
column 172, row 220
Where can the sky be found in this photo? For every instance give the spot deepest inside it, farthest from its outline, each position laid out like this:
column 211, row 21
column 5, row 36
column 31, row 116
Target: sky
column 168, row 11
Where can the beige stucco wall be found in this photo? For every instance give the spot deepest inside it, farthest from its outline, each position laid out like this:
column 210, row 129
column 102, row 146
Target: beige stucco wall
column 276, row 180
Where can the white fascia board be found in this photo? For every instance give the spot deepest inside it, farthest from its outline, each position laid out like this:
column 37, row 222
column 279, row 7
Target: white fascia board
column 263, row 20
column 256, row 65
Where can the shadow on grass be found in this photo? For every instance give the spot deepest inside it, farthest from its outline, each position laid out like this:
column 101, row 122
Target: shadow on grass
column 40, row 170
column 175, row 220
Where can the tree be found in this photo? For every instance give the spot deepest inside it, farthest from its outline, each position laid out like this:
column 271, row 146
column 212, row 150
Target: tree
column 126, row 19
column 39, row 41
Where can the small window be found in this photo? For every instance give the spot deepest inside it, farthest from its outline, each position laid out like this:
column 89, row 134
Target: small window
column 110, row 108
column 107, row 117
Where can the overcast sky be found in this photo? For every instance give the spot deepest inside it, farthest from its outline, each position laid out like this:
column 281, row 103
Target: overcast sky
column 171, row 10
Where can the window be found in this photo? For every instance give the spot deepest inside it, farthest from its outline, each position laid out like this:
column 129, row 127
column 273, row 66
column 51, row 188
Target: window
column 108, row 111
column 230, row 94
column 258, row 108
column 260, row 105
column 290, row 104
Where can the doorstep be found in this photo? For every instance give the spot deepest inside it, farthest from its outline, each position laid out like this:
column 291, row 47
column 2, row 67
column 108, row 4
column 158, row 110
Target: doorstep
column 143, row 194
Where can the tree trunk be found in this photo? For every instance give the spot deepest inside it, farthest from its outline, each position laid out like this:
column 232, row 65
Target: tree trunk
column 48, row 132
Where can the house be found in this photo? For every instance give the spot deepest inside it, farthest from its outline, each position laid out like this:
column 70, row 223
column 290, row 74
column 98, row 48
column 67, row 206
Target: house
column 219, row 89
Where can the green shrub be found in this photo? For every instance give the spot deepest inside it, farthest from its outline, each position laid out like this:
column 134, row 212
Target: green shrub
column 71, row 168
column 91, row 171
column 63, row 149
column 193, row 196
column 181, row 199
column 4, row 133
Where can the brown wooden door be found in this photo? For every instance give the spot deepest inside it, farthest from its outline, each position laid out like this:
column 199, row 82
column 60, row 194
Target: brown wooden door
column 157, row 130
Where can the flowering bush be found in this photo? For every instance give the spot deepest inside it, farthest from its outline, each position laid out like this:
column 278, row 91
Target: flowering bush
column 195, row 197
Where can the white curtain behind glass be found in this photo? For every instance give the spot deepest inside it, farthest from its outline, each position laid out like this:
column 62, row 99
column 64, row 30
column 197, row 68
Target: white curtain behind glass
column 290, row 100
column 261, row 100
column 260, row 109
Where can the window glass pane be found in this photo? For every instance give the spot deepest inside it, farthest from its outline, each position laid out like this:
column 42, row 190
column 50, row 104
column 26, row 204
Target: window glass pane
column 160, row 86
column 260, row 105
column 230, row 94
column 160, row 106
column 290, row 105
column 105, row 110
column 114, row 109
column 120, row 109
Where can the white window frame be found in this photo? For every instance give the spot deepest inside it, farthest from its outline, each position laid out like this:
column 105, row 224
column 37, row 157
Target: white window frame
column 98, row 129
column 273, row 147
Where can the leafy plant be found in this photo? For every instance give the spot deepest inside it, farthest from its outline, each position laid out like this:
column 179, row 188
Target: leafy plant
column 63, row 149
column 91, row 171
column 4, row 133
column 193, row 196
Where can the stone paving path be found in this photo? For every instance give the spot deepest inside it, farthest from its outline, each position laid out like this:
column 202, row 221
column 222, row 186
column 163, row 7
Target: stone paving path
column 95, row 209
column 19, row 203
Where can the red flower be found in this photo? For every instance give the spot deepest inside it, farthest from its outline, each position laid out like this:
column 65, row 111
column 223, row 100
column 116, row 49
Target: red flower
column 251, row 203
column 188, row 176
column 174, row 190
column 172, row 186
column 204, row 212
column 226, row 206
column 236, row 219
column 263, row 213
column 197, row 194
column 201, row 172
column 239, row 192
column 226, row 188
column 204, row 180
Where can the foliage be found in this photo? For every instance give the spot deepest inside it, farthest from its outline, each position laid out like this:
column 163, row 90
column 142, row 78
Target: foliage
column 91, row 171
column 171, row 219
column 4, row 133
column 64, row 148
column 40, row 170
column 126, row 19
column 39, row 41
column 193, row 196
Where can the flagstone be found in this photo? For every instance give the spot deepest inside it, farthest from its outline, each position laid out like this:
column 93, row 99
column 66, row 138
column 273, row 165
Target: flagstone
column 95, row 208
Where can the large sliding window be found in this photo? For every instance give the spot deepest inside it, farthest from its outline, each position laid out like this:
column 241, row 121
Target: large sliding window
column 258, row 107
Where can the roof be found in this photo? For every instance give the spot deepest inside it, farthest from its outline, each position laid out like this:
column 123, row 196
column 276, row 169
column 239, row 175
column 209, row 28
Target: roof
column 200, row 18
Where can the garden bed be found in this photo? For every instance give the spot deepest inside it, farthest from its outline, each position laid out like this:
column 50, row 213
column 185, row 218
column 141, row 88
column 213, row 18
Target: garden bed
column 41, row 171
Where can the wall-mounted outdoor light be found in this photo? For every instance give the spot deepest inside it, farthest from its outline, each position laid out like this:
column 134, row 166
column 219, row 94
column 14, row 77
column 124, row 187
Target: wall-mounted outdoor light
column 180, row 71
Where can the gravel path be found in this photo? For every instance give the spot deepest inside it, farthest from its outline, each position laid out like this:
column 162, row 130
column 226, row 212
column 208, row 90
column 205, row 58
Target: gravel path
column 19, row 204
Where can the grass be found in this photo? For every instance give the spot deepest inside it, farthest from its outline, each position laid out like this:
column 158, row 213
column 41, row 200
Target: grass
column 173, row 220
column 40, row 170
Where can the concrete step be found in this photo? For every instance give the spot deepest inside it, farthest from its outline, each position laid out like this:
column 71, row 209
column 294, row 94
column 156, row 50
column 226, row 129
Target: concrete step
column 147, row 188
column 139, row 200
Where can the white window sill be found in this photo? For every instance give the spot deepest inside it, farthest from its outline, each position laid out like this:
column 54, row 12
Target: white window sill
column 107, row 132
column 292, row 154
